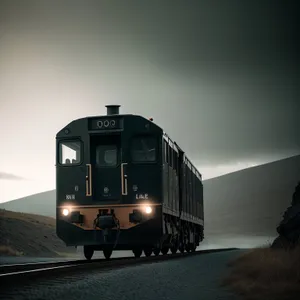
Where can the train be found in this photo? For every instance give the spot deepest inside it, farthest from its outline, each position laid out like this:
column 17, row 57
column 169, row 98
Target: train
column 123, row 184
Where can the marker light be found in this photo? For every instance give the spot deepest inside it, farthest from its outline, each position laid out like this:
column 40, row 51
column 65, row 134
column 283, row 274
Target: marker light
column 65, row 212
column 148, row 210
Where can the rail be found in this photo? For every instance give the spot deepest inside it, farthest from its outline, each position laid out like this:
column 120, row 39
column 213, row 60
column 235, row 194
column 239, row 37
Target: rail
column 17, row 272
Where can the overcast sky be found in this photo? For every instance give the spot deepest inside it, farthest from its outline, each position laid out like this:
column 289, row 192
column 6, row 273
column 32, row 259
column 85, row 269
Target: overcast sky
column 221, row 77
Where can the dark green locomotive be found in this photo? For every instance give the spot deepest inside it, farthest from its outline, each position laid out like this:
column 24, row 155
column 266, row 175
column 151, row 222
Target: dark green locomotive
column 122, row 184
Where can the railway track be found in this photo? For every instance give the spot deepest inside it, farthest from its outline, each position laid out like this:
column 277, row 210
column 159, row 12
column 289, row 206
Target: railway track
column 12, row 275
column 11, row 269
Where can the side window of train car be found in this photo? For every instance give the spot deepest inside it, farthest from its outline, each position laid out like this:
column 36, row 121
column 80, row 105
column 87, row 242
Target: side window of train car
column 106, row 155
column 170, row 151
column 143, row 149
column 175, row 161
column 69, row 153
column 165, row 151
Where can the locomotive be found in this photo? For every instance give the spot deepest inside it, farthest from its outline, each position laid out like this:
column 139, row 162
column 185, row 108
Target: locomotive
column 123, row 184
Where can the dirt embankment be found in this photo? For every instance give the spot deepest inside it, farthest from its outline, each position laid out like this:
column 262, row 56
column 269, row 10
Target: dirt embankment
column 30, row 235
column 266, row 273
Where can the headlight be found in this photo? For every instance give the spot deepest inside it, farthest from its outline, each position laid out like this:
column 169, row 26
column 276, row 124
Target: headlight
column 65, row 212
column 148, row 209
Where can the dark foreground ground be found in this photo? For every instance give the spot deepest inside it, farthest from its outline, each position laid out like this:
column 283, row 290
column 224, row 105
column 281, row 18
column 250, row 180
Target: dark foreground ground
column 196, row 277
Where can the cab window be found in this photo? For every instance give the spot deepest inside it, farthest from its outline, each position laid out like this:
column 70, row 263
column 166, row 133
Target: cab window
column 143, row 149
column 106, row 155
column 69, row 152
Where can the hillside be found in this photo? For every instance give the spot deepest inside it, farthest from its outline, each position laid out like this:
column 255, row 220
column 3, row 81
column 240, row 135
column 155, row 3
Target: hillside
column 30, row 235
column 251, row 201
column 248, row 203
column 40, row 204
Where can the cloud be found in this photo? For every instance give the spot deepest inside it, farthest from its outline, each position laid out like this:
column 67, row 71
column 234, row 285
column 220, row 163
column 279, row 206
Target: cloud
column 8, row 176
column 220, row 78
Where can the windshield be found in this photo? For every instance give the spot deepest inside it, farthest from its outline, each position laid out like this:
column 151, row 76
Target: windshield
column 106, row 155
column 69, row 152
column 143, row 149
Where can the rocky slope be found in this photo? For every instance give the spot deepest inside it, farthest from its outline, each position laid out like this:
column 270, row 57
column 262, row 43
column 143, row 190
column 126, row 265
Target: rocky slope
column 289, row 227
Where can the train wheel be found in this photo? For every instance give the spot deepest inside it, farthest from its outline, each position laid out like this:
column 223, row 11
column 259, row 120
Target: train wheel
column 174, row 249
column 148, row 252
column 137, row 252
column 181, row 247
column 107, row 253
column 156, row 251
column 88, row 252
column 164, row 250
column 188, row 247
column 193, row 248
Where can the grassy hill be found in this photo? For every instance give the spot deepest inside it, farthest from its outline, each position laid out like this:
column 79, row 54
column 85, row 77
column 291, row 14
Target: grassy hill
column 30, row 235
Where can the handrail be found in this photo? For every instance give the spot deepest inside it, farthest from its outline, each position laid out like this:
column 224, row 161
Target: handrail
column 88, row 180
column 124, row 180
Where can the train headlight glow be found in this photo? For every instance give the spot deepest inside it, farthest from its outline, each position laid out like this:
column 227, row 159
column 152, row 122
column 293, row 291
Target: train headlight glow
column 148, row 209
column 65, row 212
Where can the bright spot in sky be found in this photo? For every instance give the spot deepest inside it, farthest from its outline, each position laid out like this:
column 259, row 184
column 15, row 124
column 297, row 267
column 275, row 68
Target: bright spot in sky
column 219, row 170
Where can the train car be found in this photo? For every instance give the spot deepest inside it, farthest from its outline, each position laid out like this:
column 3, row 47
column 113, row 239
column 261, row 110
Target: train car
column 123, row 184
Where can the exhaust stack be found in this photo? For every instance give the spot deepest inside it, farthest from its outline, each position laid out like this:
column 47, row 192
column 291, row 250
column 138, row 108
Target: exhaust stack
column 112, row 109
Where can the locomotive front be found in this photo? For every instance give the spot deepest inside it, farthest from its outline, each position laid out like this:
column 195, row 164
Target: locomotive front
column 109, row 183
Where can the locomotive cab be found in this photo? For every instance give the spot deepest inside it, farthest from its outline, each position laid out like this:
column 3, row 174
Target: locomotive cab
column 109, row 180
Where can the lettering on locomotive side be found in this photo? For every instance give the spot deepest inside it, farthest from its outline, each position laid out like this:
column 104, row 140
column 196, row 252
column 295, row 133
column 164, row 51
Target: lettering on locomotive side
column 141, row 196
column 70, row 197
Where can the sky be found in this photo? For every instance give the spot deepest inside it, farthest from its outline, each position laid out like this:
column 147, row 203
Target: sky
column 221, row 78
